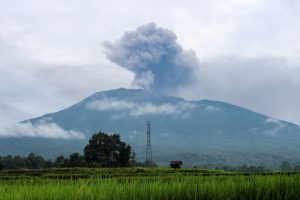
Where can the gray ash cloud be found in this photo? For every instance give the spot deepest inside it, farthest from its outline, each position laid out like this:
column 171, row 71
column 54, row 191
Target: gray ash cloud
column 159, row 63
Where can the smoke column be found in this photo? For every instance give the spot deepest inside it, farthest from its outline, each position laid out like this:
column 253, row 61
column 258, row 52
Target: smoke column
column 159, row 63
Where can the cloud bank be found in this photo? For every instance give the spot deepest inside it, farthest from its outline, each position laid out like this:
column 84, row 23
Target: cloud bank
column 159, row 63
column 35, row 59
column 138, row 109
column 41, row 130
column 277, row 126
column 264, row 84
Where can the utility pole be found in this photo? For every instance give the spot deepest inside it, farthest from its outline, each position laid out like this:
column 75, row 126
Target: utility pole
column 148, row 150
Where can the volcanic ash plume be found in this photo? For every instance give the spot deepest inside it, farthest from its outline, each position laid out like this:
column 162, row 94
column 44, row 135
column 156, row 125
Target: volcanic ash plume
column 159, row 63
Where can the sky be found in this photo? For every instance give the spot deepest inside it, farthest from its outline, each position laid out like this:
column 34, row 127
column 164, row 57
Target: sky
column 54, row 53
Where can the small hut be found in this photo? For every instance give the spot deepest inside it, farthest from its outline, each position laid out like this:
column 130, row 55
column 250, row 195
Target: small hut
column 175, row 164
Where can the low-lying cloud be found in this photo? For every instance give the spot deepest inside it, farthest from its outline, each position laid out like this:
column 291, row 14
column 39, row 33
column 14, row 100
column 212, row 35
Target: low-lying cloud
column 138, row 109
column 159, row 63
column 40, row 130
column 278, row 126
column 211, row 108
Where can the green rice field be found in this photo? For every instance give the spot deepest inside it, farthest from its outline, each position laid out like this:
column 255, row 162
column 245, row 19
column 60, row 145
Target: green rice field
column 141, row 183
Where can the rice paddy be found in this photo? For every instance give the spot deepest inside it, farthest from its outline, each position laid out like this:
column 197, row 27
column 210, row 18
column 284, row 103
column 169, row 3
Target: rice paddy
column 140, row 183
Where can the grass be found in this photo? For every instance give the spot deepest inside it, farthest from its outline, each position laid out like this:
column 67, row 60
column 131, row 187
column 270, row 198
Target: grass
column 146, row 184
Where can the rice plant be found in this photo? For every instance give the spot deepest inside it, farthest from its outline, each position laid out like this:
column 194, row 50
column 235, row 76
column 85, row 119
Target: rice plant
column 160, row 186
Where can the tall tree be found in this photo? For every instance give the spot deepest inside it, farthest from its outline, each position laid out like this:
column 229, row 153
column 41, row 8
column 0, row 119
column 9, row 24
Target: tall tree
column 76, row 160
column 34, row 161
column 61, row 161
column 20, row 162
column 107, row 151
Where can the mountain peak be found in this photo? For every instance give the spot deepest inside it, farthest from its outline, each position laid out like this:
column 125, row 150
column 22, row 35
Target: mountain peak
column 120, row 91
column 178, row 125
column 133, row 95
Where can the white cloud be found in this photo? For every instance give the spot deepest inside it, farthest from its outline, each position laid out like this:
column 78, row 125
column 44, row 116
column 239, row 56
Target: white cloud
column 151, row 109
column 211, row 108
column 139, row 109
column 272, row 120
column 111, row 104
column 279, row 125
column 40, row 130
column 27, row 85
column 266, row 85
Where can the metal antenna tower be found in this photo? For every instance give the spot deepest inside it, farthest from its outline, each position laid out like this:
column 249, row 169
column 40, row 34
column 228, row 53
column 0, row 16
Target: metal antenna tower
column 148, row 150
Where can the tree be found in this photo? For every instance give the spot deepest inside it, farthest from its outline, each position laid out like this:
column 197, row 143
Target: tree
column 8, row 162
column 19, row 162
column 61, row 161
column 107, row 151
column 48, row 164
column 34, row 161
column 76, row 160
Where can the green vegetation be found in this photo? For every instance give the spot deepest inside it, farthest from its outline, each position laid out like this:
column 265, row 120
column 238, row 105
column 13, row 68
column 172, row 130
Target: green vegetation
column 107, row 151
column 103, row 150
column 74, row 177
column 141, row 183
column 78, row 173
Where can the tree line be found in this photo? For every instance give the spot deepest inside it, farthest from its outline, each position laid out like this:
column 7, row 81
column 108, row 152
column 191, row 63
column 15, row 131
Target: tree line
column 103, row 150
column 285, row 166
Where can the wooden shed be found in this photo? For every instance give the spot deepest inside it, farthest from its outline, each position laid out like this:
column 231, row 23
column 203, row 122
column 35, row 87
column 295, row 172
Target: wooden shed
column 176, row 164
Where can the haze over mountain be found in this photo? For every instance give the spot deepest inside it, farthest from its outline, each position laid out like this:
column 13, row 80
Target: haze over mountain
column 197, row 132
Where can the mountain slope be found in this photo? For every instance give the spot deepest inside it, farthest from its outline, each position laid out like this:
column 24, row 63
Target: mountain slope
column 205, row 132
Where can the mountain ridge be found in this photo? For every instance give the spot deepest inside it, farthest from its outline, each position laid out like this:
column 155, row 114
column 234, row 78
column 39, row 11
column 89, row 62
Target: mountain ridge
column 180, row 127
column 96, row 94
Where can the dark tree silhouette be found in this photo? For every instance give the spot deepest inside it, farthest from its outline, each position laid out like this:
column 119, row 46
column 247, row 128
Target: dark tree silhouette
column 61, row 161
column 107, row 151
column 34, row 161
column 76, row 160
